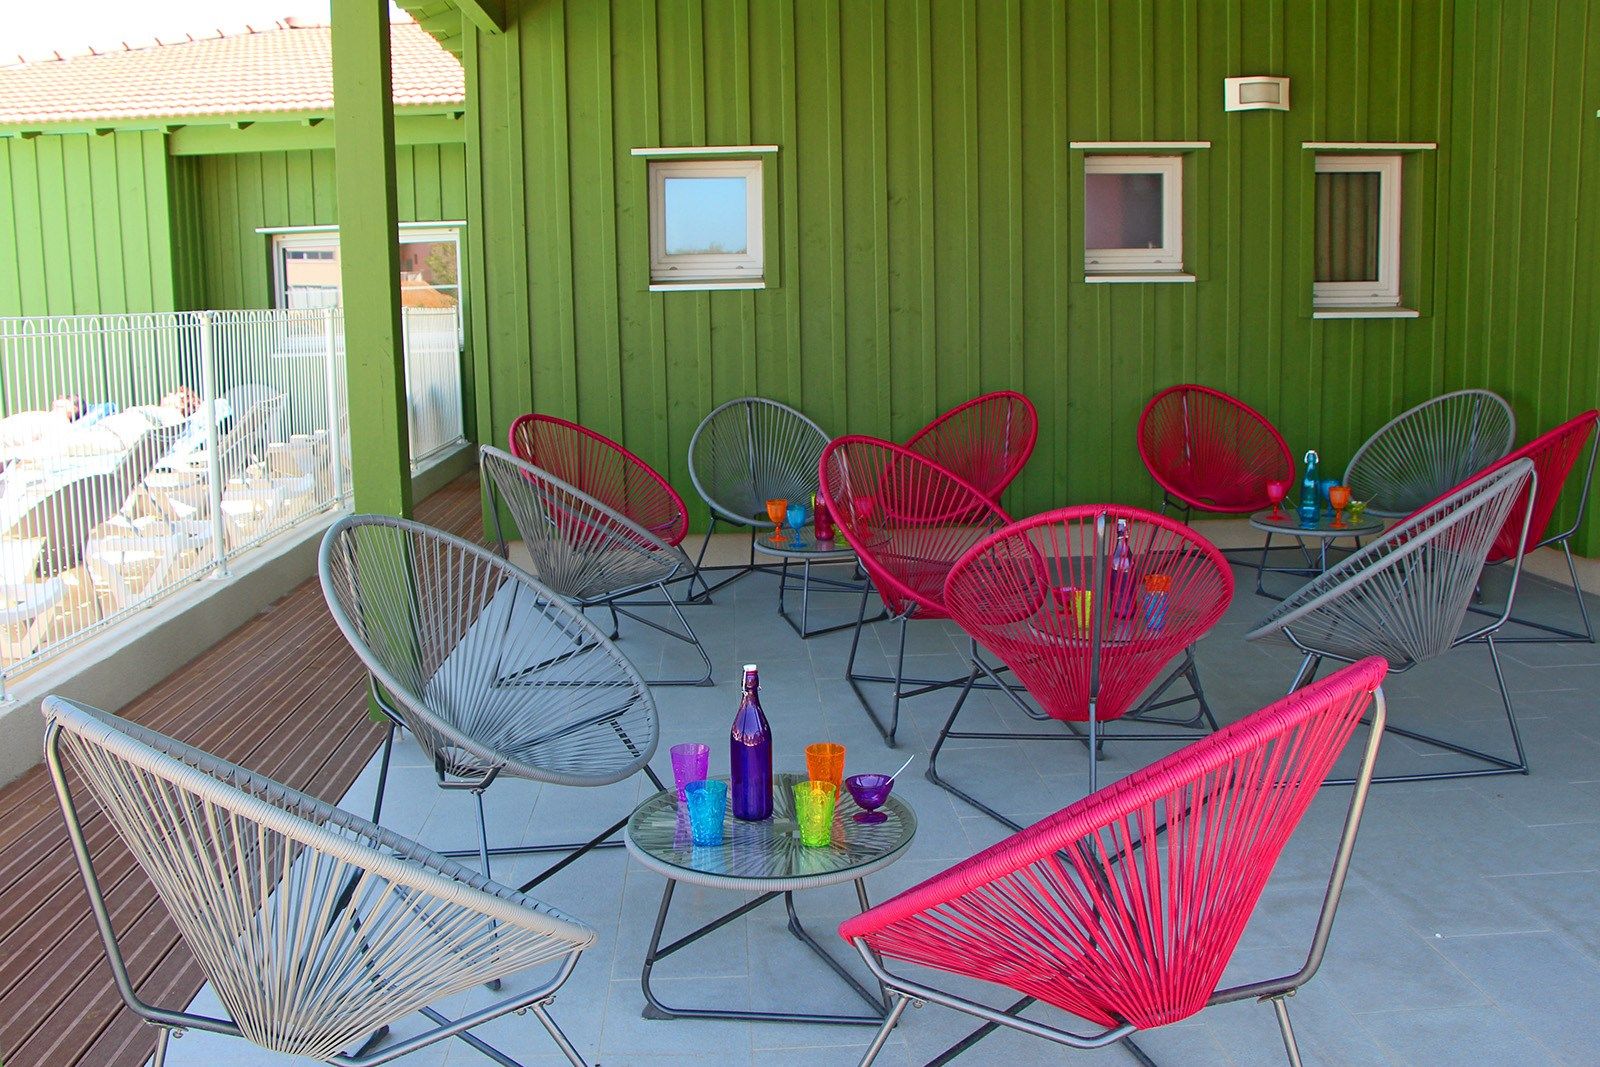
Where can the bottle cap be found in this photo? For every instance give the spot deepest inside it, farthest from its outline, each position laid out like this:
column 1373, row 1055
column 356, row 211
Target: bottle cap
column 749, row 667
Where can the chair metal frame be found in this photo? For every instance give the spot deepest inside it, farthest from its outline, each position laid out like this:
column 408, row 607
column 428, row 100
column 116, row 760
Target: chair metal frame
column 588, row 552
column 1427, row 450
column 766, row 474
column 473, row 761
column 341, row 862
column 975, row 608
column 1537, row 529
column 1085, row 836
column 1443, row 547
column 961, row 505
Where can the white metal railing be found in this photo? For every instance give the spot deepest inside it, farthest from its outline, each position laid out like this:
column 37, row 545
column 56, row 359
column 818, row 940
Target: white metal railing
column 141, row 453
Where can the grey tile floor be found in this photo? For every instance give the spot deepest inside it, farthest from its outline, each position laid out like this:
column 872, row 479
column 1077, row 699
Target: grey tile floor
column 1469, row 932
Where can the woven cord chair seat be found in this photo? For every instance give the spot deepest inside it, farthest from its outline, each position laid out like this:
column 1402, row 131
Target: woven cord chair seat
column 985, row 441
column 315, row 927
column 602, row 468
column 1429, row 450
column 1126, row 907
column 751, row 450
column 1002, row 593
column 491, row 669
column 1404, row 596
column 1211, row 451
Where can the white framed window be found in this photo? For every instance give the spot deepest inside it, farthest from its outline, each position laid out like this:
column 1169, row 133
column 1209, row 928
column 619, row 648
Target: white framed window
column 1357, row 242
column 1132, row 214
column 706, row 222
column 305, row 267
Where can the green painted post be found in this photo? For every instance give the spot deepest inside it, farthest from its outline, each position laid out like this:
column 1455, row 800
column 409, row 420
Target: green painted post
column 364, row 173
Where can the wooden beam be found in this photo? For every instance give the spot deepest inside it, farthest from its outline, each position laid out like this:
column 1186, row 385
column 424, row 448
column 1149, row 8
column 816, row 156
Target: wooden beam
column 488, row 15
column 369, row 255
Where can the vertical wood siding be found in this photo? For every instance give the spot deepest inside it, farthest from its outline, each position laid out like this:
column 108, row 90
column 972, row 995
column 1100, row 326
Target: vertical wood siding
column 230, row 196
column 930, row 239
column 84, row 224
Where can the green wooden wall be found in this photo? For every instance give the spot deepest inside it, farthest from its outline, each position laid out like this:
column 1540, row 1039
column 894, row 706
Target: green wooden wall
column 235, row 194
column 931, row 214
column 84, row 224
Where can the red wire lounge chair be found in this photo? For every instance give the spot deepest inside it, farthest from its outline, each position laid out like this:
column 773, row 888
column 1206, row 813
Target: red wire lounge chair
column 1012, row 594
column 1554, row 454
column 594, row 464
column 1079, row 910
column 908, row 519
column 1211, row 452
column 986, row 441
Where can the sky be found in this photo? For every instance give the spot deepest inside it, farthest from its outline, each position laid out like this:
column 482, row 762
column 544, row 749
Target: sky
column 34, row 27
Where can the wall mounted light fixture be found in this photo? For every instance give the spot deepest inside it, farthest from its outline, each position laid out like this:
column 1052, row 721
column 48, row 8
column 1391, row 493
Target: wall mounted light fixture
column 1255, row 93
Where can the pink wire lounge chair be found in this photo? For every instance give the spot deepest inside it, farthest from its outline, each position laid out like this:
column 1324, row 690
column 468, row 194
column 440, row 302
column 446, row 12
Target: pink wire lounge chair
column 1211, row 452
column 986, row 440
column 1018, row 594
column 908, row 519
column 1555, row 455
column 1405, row 596
column 595, row 464
column 1097, row 911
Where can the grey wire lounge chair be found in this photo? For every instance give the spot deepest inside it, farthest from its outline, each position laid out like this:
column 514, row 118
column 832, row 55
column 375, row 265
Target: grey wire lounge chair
column 493, row 673
column 1428, row 450
column 316, row 928
column 586, row 551
column 746, row 452
column 1404, row 597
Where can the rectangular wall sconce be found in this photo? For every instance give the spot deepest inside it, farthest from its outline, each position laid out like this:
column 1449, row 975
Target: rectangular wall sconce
column 1255, row 93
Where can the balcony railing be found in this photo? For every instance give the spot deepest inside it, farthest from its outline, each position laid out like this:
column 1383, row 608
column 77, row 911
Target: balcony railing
column 140, row 454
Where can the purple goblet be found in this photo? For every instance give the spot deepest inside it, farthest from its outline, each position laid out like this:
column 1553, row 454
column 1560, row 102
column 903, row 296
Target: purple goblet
column 870, row 791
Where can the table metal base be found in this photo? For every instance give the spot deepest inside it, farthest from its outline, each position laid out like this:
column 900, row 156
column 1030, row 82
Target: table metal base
column 1315, row 562
column 655, row 1009
column 830, row 585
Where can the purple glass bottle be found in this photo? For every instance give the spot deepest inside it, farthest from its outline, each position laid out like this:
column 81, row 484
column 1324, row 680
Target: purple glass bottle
column 1124, row 595
column 750, row 754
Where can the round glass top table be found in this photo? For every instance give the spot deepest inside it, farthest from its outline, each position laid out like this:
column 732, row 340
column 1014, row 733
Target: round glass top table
column 765, row 858
column 1322, row 535
column 804, row 549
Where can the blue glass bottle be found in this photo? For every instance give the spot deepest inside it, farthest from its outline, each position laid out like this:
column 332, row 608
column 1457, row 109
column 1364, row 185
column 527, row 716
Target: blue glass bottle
column 750, row 753
column 1310, row 510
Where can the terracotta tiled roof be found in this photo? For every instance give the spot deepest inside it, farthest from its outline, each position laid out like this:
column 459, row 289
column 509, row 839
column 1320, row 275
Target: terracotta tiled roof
column 284, row 67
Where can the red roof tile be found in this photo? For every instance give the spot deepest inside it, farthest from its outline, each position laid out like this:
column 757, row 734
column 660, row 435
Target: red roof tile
column 285, row 67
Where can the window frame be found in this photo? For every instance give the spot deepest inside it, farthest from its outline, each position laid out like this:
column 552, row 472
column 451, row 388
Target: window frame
column 1384, row 292
column 715, row 269
column 312, row 237
column 1166, row 259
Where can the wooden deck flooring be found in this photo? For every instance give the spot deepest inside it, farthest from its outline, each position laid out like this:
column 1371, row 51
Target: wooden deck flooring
column 283, row 695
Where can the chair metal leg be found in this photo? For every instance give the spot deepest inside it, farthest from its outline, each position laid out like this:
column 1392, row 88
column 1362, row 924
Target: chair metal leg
column 383, row 774
column 1550, row 634
column 918, row 686
column 878, row 1039
column 1291, row 1046
column 541, row 1011
column 163, row 1035
column 686, row 634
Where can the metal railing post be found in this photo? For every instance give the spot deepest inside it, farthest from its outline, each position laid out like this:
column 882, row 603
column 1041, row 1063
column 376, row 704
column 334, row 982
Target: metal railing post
column 214, row 487
column 331, row 378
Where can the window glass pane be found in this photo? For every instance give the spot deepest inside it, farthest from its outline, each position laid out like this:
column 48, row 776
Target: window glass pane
column 1347, row 226
column 311, row 275
column 1122, row 211
column 428, row 275
column 705, row 216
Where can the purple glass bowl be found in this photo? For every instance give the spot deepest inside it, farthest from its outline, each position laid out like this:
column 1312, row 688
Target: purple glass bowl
column 870, row 791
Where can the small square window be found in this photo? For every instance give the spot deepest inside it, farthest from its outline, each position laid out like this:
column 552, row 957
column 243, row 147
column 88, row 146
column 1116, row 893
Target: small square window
column 1132, row 214
column 1357, row 232
column 705, row 221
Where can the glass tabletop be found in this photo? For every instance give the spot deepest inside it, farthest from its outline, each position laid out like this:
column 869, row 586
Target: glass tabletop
column 1290, row 524
column 805, row 545
column 767, row 855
